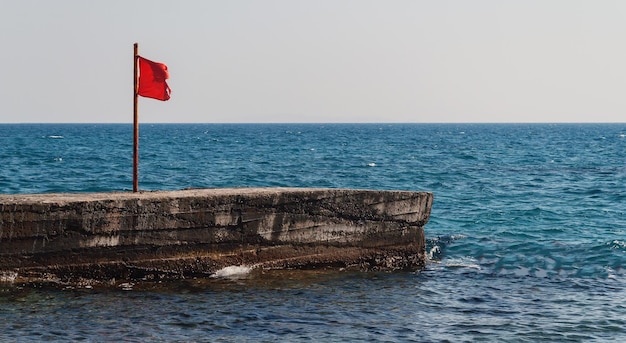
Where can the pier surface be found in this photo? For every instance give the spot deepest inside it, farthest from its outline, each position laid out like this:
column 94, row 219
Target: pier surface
column 109, row 237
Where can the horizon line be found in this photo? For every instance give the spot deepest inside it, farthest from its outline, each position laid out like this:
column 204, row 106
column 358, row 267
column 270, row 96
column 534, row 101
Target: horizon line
column 305, row 123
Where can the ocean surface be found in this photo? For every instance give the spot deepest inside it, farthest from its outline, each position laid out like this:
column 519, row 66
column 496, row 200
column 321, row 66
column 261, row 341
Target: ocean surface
column 527, row 237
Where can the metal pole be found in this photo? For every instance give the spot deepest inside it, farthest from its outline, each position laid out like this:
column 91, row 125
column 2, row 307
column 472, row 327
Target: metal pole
column 135, row 123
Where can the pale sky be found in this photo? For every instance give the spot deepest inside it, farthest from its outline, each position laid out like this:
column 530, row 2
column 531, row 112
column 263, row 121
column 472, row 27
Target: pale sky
column 316, row 61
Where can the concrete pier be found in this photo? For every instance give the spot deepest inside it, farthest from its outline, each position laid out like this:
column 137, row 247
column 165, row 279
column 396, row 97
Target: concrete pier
column 111, row 237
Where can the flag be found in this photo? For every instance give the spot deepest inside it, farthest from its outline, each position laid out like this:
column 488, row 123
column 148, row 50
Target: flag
column 152, row 76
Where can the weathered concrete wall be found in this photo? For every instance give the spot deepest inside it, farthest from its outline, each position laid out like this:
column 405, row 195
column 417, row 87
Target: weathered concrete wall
column 177, row 234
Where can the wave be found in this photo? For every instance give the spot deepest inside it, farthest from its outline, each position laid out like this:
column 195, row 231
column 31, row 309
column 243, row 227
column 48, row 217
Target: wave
column 462, row 262
column 616, row 244
column 435, row 246
column 232, row 272
column 522, row 255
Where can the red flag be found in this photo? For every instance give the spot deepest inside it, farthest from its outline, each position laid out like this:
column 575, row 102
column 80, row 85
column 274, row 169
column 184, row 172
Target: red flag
column 152, row 76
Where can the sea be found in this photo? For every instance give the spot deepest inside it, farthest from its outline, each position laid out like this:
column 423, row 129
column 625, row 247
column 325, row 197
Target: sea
column 526, row 240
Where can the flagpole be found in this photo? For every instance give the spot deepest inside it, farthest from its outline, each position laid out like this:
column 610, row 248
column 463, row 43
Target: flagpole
column 135, row 123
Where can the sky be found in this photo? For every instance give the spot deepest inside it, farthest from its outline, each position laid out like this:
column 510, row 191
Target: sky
column 316, row 61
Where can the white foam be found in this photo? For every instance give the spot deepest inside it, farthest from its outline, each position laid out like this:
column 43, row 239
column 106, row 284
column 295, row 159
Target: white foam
column 371, row 164
column 8, row 276
column 618, row 244
column 55, row 137
column 434, row 250
column 610, row 273
column 127, row 286
column 466, row 262
column 232, row 272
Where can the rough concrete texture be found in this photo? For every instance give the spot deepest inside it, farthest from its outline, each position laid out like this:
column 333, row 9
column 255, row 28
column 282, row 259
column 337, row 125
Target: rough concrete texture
column 69, row 238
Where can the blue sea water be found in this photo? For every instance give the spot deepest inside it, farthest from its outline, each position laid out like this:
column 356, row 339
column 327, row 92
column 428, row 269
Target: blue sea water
column 527, row 237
